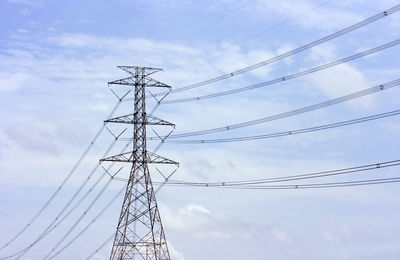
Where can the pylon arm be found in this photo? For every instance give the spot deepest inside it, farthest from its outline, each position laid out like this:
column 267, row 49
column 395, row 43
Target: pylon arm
column 130, row 81
column 123, row 157
column 126, row 119
column 127, row 157
column 155, row 84
column 155, row 158
column 152, row 120
column 129, row 119
column 134, row 69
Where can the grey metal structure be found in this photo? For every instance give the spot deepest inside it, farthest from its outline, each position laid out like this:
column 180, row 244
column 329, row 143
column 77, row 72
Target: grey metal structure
column 140, row 233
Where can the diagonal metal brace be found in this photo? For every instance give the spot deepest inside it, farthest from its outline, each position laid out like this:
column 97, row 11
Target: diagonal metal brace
column 112, row 175
column 116, row 136
column 169, row 176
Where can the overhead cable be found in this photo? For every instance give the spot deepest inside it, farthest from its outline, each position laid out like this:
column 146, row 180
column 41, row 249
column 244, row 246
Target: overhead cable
column 291, row 113
column 319, row 185
column 287, row 77
column 80, row 233
column 283, row 22
column 75, row 238
column 321, row 174
column 288, row 133
column 63, row 182
column 58, row 219
column 249, row 183
column 48, row 255
column 101, row 246
column 51, row 226
column 327, row 38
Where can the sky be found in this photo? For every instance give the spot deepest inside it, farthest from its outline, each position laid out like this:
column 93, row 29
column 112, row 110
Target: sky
column 56, row 58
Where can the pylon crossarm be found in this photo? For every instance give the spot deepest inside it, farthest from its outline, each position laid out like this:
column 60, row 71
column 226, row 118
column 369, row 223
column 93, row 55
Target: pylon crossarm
column 125, row 119
column 129, row 81
column 133, row 70
column 157, row 159
column 127, row 157
column 129, row 119
column 123, row 157
column 152, row 120
column 155, row 83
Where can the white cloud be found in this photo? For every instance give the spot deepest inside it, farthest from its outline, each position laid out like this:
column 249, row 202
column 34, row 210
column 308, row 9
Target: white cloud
column 284, row 49
column 199, row 166
column 10, row 81
column 26, row 2
column 281, row 236
column 116, row 44
column 175, row 254
column 100, row 107
column 310, row 15
column 339, row 80
column 329, row 237
column 202, row 223
column 32, row 137
column 189, row 218
column 196, row 208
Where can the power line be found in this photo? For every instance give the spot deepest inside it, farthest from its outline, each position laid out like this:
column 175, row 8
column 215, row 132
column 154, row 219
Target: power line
column 48, row 230
column 78, row 220
column 327, row 38
column 321, row 185
column 50, row 227
column 287, row 77
column 63, row 182
column 90, row 223
column 291, row 113
column 100, row 247
column 320, row 174
column 283, row 22
column 287, row 133
column 241, row 184
column 54, row 224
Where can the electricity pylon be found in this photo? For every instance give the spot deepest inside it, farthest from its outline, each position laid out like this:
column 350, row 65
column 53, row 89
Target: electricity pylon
column 140, row 233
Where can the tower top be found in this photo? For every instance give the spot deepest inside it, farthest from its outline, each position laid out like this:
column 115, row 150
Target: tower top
column 134, row 70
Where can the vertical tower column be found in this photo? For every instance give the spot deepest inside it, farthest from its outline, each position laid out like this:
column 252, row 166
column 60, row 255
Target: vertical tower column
column 140, row 233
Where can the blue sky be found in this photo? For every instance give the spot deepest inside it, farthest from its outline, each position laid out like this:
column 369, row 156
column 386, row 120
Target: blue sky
column 57, row 57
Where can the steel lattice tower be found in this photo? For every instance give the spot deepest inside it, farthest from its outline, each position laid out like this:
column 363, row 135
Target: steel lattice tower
column 140, row 233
